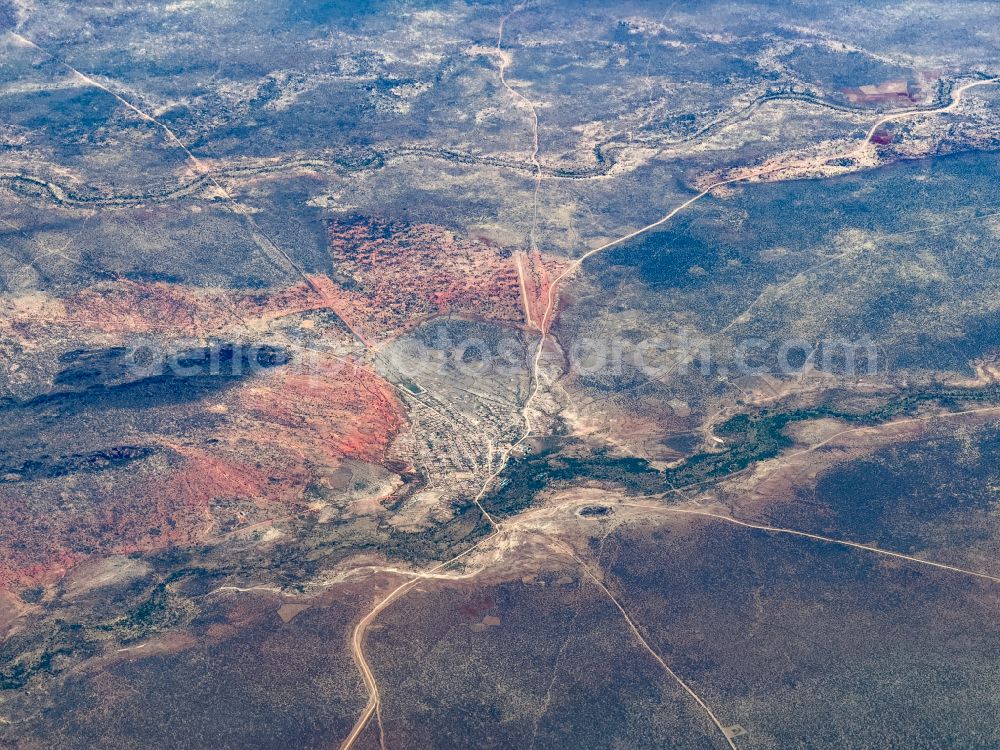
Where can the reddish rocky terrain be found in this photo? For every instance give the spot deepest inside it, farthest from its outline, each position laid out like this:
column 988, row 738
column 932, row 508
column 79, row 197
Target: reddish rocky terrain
column 443, row 274
column 217, row 459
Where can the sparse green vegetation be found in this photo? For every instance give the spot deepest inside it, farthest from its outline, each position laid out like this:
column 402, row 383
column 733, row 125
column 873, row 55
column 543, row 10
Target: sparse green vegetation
column 287, row 289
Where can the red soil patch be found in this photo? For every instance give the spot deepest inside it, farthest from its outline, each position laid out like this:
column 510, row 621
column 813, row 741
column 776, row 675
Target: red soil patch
column 390, row 277
column 48, row 530
column 247, row 466
column 393, row 275
column 273, row 432
column 181, row 501
column 538, row 274
column 130, row 307
column 133, row 307
column 334, row 410
column 898, row 91
column 250, row 469
column 206, row 476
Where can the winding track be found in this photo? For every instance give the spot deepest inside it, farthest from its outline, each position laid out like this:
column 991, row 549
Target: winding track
column 358, row 635
column 64, row 195
column 271, row 249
